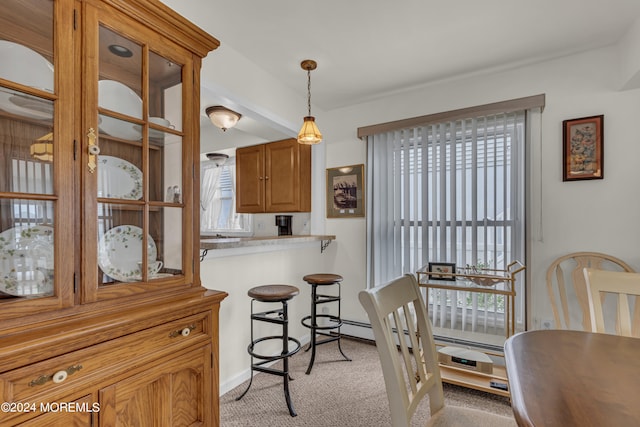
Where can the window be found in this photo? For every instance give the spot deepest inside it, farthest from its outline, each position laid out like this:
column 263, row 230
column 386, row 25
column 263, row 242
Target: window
column 451, row 191
column 217, row 201
column 29, row 176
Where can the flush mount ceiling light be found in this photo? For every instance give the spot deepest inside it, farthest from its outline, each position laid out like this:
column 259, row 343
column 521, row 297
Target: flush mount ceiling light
column 42, row 148
column 222, row 117
column 120, row 51
column 309, row 134
column 218, row 159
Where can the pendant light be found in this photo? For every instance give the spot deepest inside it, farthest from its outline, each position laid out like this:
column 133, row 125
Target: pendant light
column 309, row 134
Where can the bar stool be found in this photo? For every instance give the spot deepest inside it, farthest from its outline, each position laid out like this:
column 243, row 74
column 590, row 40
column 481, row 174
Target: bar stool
column 281, row 294
column 332, row 330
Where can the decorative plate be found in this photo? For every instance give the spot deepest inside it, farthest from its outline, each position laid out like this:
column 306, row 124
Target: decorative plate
column 154, row 133
column 120, row 250
column 24, row 105
column 26, row 261
column 23, row 65
column 120, row 98
column 118, row 179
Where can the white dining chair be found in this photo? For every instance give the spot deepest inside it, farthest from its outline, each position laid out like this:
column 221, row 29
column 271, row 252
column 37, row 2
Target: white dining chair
column 625, row 287
column 567, row 289
column 409, row 360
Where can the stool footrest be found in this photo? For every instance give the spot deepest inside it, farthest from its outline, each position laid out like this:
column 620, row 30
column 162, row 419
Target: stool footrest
column 321, row 299
column 330, row 338
column 271, row 316
column 267, row 370
column 335, row 319
column 271, row 358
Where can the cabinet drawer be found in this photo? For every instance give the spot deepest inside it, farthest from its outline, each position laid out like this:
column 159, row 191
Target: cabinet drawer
column 79, row 372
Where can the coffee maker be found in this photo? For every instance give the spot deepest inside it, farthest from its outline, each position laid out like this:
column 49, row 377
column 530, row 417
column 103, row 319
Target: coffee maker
column 283, row 222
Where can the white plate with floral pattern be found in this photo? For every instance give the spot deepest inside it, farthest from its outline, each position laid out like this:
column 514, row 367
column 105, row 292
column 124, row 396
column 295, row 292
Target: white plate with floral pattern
column 120, row 250
column 26, row 261
column 118, row 179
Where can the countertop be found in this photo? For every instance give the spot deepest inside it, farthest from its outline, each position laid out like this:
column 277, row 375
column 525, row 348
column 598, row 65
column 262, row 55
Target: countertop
column 210, row 243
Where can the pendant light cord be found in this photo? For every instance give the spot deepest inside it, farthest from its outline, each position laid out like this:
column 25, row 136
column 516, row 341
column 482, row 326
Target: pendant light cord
column 309, row 90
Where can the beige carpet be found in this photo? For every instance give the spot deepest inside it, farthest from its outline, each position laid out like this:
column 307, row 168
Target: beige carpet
column 337, row 393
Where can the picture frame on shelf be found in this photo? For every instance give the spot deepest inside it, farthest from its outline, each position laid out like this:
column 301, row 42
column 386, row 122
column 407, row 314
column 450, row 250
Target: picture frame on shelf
column 345, row 191
column 442, row 271
column 583, row 148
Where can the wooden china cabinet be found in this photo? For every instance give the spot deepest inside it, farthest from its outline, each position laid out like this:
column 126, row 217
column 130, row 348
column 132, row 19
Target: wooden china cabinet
column 103, row 320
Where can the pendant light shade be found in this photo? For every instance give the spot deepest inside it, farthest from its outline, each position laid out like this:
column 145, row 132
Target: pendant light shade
column 42, row 148
column 309, row 134
column 222, row 117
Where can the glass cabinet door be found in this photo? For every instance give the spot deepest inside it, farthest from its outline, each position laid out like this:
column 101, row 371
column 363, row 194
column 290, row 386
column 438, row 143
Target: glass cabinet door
column 31, row 155
column 134, row 160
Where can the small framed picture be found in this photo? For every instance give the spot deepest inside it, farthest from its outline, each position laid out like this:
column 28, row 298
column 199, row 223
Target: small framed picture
column 583, row 148
column 345, row 192
column 442, row 271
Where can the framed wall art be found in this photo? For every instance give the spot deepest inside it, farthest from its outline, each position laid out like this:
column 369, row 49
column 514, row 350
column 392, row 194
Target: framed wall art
column 345, row 192
column 582, row 148
column 436, row 270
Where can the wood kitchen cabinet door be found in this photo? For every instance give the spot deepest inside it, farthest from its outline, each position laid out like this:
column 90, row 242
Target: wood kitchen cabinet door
column 173, row 394
column 250, row 179
column 274, row 177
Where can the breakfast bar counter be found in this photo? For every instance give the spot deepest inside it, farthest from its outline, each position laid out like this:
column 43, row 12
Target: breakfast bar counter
column 224, row 246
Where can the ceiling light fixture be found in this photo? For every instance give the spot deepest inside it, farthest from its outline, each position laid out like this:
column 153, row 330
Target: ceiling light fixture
column 222, row 117
column 218, row 159
column 120, row 51
column 309, row 134
column 42, row 148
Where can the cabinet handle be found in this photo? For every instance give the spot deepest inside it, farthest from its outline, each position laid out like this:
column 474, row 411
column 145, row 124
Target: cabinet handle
column 185, row 332
column 93, row 150
column 266, row 177
column 57, row 377
column 260, row 178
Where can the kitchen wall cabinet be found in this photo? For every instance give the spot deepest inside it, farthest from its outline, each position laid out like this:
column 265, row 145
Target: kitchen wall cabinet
column 100, row 294
column 273, row 177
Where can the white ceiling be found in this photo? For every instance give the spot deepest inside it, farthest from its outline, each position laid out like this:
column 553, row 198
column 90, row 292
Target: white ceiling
column 371, row 48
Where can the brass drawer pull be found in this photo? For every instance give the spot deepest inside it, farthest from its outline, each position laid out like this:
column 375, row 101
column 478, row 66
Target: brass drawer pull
column 57, row 377
column 184, row 331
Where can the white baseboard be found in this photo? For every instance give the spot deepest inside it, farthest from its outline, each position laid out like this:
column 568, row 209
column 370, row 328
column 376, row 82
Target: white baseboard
column 357, row 329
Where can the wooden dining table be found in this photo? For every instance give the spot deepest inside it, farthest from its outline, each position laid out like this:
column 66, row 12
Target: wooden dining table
column 561, row 378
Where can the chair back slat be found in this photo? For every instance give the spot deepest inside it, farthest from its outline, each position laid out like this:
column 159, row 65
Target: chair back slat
column 625, row 287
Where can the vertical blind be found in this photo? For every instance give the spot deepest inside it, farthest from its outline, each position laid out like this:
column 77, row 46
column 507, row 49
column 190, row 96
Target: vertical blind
column 452, row 192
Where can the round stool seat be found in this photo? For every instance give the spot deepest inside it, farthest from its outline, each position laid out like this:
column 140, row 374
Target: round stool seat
column 322, row 279
column 273, row 293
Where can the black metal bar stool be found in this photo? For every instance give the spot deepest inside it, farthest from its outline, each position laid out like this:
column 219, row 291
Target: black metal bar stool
column 281, row 294
column 331, row 331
